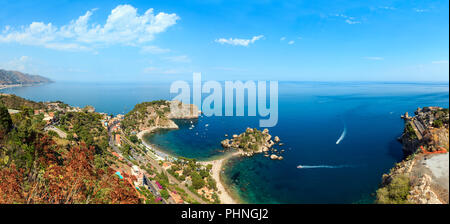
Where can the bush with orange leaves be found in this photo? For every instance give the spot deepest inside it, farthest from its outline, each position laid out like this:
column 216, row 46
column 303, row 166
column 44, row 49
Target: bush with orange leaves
column 70, row 178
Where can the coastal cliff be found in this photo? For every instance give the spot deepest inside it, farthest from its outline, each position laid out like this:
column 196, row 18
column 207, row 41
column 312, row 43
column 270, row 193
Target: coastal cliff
column 148, row 116
column 427, row 129
column 15, row 78
column 423, row 176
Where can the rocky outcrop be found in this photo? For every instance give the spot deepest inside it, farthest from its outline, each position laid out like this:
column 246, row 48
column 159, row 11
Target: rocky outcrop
column 428, row 128
column 253, row 141
column 157, row 114
column 179, row 110
column 411, row 181
column 418, row 185
column 276, row 139
column 421, row 193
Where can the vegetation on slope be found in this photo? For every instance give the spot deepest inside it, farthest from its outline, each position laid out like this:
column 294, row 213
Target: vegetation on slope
column 396, row 192
column 145, row 114
column 14, row 102
column 35, row 169
column 85, row 127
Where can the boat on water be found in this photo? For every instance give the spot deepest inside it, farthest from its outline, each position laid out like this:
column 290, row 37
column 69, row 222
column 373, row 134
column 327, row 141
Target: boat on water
column 299, row 166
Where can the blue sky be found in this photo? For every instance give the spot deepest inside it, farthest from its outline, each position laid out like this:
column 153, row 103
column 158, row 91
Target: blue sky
column 227, row 40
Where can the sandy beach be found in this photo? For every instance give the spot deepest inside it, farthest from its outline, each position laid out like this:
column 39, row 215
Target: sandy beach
column 142, row 133
column 217, row 166
column 140, row 136
column 4, row 86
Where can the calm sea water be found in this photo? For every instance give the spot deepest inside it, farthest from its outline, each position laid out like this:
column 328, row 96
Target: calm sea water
column 312, row 117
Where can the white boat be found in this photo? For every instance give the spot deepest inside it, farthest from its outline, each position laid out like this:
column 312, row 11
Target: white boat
column 299, row 166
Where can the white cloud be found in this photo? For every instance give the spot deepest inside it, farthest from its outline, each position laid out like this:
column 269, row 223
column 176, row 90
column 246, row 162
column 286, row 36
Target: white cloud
column 181, row 58
column 420, row 10
column 291, row 42
column 17, row 64
column 154, row 50
column 374, row 58
column 123, row 26
column 440, row 62
column 283, row 38
column 351, row 21
column 388, row 7
column 348, row 19
column 239, row 42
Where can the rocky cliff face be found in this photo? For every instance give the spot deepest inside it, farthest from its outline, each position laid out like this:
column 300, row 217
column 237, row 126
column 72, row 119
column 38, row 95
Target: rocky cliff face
column 158, row 114
column 180, row 110
column 422, row 178
column 15, row 77
column 428, row 128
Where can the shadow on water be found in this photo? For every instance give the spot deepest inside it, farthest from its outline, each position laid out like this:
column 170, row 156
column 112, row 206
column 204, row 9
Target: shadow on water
column 395, row 150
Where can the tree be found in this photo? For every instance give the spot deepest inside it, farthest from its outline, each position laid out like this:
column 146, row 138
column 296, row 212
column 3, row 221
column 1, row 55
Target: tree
column 72, row 180
column 396, row 192
column 197, row 181
column 134, row 139
column 164, row 194
column 5, row 121
column 437, row 124
column 52, row 133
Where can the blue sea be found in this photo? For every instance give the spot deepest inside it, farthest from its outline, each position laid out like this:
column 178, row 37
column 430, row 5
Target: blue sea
column 312, row 117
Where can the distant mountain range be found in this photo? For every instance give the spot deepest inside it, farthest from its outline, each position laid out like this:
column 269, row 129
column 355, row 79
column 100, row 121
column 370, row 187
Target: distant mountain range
column 17, row 78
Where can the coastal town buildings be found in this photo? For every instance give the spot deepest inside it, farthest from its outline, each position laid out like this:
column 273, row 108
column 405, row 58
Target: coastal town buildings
column 118, row 140
column 166, row 165
column 206, row 192
column 48, row 117
column 176, row 197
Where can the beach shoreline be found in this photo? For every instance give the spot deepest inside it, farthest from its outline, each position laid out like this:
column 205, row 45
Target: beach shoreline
column 217, row 167
column 158, row 152
column 6, row 86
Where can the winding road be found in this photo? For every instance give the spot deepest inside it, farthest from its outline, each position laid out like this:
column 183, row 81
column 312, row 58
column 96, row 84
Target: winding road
column 147, row 159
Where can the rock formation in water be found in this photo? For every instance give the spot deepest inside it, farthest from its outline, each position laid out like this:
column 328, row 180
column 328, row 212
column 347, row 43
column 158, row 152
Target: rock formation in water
column 254, row 141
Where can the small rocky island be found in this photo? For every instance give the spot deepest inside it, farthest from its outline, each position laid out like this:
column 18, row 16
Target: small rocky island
column 254, row 141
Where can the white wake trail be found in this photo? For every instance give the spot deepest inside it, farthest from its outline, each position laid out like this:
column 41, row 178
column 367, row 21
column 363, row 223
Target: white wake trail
column 342, row 135
column 322, row 166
